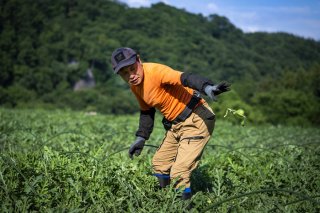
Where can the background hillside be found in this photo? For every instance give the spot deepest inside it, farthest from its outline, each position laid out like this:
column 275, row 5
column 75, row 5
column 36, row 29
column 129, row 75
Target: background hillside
column 47, row 46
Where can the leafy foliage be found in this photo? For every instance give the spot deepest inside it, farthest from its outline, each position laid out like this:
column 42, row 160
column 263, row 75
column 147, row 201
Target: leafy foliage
column 68, row 161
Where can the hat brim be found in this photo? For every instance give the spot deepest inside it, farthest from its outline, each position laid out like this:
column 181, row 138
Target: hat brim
column 125, row 63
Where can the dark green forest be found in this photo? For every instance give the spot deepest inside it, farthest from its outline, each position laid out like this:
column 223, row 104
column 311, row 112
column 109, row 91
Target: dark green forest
column 48, row 46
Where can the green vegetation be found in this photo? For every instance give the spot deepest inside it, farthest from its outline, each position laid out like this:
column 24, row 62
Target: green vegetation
column 57, row 161
column 46, row 46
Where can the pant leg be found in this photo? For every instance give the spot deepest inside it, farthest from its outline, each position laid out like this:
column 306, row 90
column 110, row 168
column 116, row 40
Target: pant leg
column 166, row 154
column 194, row 133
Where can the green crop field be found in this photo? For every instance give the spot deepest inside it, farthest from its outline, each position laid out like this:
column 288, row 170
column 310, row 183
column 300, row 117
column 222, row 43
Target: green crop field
column 63, row 161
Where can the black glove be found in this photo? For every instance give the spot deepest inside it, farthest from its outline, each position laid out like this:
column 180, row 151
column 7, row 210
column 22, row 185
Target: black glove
column 213, row 90
column 136, row 147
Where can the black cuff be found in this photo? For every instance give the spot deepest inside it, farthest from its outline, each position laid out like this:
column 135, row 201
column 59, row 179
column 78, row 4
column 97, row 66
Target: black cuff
column 146, row 123
column 194, row 81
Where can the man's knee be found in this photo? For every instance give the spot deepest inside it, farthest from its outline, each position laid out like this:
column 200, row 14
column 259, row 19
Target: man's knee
column 160, row 166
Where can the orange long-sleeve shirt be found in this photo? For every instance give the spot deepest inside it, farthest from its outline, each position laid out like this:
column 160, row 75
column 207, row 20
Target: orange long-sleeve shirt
column 162, row 88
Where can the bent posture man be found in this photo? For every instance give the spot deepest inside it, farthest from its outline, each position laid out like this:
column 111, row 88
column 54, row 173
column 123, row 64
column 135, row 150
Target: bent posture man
column 188, row 119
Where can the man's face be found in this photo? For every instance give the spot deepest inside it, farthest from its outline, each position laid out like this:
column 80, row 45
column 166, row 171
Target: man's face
column 132, row 74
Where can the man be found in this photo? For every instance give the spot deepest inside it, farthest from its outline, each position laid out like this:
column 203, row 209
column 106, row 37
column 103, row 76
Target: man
column 188, row 119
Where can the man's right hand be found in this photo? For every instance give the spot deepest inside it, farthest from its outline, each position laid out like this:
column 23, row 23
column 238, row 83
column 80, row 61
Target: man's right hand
column 137, row 147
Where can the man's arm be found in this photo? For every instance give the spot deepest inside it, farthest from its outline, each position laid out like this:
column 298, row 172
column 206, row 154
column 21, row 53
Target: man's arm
column 204, row 85
column 146, row 123
column 195, row 81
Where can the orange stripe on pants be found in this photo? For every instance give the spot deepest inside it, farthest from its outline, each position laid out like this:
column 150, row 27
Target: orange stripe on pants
column 182, row 147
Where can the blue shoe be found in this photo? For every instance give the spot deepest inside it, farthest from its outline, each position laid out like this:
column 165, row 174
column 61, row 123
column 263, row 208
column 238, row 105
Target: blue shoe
column 186, row 194
column 164, row 180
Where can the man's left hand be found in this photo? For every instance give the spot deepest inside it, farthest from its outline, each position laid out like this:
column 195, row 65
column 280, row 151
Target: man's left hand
column 213, row 90
column 221, row 87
